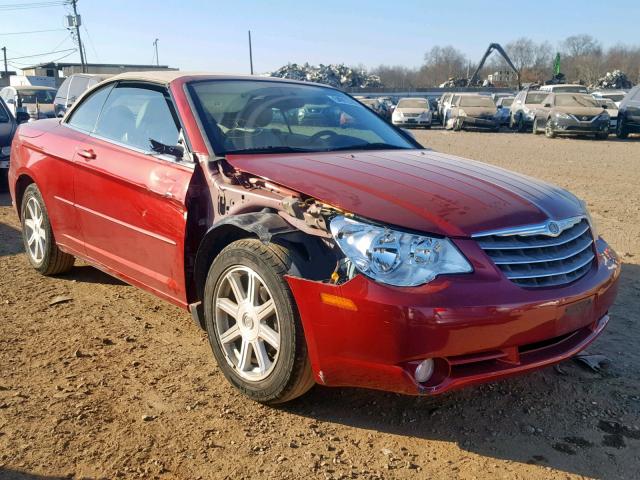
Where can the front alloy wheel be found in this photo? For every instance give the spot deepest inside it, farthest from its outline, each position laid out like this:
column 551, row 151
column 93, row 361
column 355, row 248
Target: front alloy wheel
column 247, row 324
column 621, row 130
column 548, row 130
column 253, row 324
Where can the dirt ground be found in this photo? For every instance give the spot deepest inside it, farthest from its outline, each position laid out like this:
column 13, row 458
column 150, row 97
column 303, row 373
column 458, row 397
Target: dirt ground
column 114, row 383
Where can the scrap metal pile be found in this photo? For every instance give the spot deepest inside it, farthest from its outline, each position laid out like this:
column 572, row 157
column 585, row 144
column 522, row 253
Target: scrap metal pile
column 339, row 76
column 616, row 79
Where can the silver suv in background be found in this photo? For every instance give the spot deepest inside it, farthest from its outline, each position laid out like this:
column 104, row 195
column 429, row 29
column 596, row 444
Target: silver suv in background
column 524, row 107
column 71, row 89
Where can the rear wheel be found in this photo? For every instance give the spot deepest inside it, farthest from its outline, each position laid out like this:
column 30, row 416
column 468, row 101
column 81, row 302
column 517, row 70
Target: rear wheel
column 253, row 324
column 40, row 244
column 621, row 129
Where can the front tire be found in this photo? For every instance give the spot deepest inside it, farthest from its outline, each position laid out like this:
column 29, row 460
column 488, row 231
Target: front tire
column 536, row 129
column 39, row 243
column 548, row 130
column 621, row 131
column 253, row 323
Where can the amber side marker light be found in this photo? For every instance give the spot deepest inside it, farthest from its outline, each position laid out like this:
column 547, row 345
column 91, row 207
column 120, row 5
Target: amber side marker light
column 337, row 301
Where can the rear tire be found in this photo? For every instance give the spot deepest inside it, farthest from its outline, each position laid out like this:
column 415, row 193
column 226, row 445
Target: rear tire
column 39, row 242
column 256, row 338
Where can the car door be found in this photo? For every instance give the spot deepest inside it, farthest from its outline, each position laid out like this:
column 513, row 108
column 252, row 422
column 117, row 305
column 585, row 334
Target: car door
column 542, row 111
column 633, row 109
column 130, row 200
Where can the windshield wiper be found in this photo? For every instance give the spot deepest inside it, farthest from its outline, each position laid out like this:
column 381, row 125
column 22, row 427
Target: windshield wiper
column 268, row 149
column 369, row 146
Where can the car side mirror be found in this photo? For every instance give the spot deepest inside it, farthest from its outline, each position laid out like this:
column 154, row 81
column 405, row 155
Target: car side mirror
column 605, row 106
column 499, row 107
column 22, row 117
column 547, row 105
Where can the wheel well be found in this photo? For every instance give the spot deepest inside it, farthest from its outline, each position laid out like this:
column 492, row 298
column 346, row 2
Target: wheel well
column 212, row 244
column 21, row 185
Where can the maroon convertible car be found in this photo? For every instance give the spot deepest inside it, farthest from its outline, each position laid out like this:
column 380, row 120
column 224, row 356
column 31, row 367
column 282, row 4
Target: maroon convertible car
column 339, row 252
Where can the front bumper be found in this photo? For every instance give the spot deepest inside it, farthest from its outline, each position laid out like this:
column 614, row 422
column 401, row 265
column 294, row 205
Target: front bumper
column 412, row 122
column 476, row 122
column 569, row 126
column 477, row 327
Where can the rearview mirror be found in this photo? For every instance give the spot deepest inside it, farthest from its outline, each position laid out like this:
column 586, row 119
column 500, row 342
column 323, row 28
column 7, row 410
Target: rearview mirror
column 22, row 117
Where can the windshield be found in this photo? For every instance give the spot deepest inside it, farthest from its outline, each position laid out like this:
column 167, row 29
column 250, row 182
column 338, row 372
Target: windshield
column 249, row 116
column 570, row 89
column 575, row 100
column 616, row 97
column 536, row 97
column 39, row 96
column 413, row 103
column 4, row 115
column 476, row 101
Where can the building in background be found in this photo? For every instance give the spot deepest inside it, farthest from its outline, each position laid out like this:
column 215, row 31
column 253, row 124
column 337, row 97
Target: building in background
column 58, row 71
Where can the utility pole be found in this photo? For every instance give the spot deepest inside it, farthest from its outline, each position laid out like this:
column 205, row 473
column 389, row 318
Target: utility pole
column 155, row 44
column 250, row 53
column 76, row 23
column 6, row 70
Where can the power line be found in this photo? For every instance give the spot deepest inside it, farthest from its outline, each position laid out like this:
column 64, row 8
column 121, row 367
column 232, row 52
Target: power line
column 42, row 54
column 33, row 31
column 26, row 6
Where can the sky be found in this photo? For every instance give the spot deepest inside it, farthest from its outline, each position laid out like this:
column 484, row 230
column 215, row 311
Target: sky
column 212, row 35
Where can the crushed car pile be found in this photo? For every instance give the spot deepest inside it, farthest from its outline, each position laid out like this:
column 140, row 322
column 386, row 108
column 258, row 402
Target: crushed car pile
column 616, row 79
column 336, row 75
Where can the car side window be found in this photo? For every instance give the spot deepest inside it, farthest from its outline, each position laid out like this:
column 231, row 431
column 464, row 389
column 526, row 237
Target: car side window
column 85, row 116
column 138, row 116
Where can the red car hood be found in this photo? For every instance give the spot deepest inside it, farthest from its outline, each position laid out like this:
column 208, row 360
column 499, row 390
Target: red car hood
column 416, row 189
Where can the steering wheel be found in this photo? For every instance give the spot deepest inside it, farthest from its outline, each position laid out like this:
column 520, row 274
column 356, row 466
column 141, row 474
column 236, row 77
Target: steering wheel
column 323, row 135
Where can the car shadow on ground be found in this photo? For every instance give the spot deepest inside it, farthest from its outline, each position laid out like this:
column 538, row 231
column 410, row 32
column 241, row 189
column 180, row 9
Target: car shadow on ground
column 10, row 241
column 559, row 417
column 89, row 274
column 5, row 198
column 6, row 474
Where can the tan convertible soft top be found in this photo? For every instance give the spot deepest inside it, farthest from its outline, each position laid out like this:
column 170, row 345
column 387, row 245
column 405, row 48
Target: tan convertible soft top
column 166, row 77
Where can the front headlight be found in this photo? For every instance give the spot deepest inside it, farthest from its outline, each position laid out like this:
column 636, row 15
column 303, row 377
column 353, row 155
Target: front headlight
column 394, row 257
column 604, row 116
column 562, row 115
column 6, row 151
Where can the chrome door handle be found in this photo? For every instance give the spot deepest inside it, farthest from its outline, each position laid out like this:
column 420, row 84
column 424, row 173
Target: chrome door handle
column 89, row 154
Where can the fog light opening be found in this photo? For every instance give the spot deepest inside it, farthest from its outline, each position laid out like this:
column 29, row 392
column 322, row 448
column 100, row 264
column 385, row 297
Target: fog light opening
column 424, row 371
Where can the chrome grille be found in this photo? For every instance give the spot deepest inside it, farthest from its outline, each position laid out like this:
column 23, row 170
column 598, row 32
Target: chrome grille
column 541, row 260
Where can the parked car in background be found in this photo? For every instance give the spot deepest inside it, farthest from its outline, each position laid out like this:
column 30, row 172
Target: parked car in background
column 71, row 89
column 471, row 110
column 347, row 257
column 615, row 95
column 8, row 124
column 36, row 101
column 612, row 110
column 503, row 115
column 443, row 103
column 629, row 114
column 318, row 115
column 571, row 114
column 564, row 88
column 523, row 108
column 412, row 112
column 377, row 105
